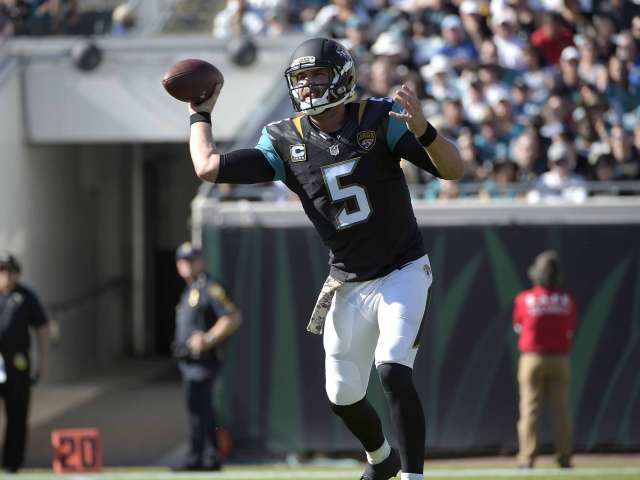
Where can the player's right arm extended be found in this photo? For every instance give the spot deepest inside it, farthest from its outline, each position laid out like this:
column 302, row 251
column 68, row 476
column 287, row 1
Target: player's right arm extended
column 241, row 166
column 204, row 154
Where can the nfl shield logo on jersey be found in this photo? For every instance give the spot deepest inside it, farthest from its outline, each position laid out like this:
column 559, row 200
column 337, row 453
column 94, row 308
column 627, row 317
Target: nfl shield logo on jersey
column 298, row 153
column 367, row 139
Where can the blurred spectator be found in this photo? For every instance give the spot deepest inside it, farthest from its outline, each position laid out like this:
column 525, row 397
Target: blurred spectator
column 625, row 154
column 636, row 136
column 551, row 37
column 525, row 15
column 383, row 77
column 635, row 28
column 620, row 11
column 123, row 19
column 604, row 29
column 557, row 115
column 620, row 94
column 357, row 41
column 457, row 48
column 238, row 17
column 568, row 79
column 603, row 167
column 490, row 145
column 578, row 161
column 526, row 152
column 453, row 123
column 388, row 17
column 521, row 102
column 559, row 183
column 53, row 17
column 508, row 43
column 571, row 13
column 473, row 170
column 502, row 182
column 393, row 46
column 473, row 22
column 473, row 98
column 534, row 74
column 13, row 17
column 627, row 52
column 506, row 125
column 438, row 77
column 440, row 189
column 332, row 19
column 589, row 66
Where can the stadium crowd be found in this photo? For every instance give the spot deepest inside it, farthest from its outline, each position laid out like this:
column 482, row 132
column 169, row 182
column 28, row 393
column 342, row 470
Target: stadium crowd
column 542, row 96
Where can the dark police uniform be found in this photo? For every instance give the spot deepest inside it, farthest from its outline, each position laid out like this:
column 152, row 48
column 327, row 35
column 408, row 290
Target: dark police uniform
column 350, row 184
column 200, row 305
column 19, row 311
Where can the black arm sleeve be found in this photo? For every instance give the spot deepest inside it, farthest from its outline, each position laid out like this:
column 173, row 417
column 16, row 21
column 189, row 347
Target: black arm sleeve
column 244, row 166
column 409, row 149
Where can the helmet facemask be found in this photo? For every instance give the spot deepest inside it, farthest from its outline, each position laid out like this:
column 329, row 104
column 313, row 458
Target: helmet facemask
column 340, row 89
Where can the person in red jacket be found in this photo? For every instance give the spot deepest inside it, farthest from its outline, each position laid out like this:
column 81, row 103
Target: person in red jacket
column 551, row 38
column 545, row 319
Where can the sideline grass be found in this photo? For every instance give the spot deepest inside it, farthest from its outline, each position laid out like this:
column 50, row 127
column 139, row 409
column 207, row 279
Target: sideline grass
column 315, row 473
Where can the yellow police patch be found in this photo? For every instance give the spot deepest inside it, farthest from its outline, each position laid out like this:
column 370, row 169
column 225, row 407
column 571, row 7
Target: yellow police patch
column 20, row 362
column 194, row 297
column 218, row 293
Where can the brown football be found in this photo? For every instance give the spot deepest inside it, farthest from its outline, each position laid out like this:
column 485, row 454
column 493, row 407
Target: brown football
column 192, row 80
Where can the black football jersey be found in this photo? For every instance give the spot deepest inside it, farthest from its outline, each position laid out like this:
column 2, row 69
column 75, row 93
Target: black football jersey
column 352, row 187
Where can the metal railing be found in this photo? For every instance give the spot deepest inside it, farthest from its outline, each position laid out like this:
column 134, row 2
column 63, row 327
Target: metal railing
column 273, row 192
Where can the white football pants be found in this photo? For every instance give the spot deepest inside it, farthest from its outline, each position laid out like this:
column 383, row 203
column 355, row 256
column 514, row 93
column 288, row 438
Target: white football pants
column 374, row 320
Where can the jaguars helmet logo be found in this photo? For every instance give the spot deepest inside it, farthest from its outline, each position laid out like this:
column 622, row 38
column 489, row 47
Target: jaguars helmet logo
column 366, row 139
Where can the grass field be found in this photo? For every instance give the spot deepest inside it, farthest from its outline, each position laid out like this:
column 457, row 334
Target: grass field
column 315, row 473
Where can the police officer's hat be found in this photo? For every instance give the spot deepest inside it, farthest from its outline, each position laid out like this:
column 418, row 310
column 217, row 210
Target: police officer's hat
column 187, row 251
column 8, row 260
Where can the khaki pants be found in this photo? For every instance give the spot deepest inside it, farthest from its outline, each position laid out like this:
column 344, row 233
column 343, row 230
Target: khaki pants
column 543, row 376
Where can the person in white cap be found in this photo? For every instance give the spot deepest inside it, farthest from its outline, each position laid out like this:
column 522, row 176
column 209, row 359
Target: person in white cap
column 437, row 74
column 569, row 80
column 457, row 48
column 508, row 43
column 559, row 184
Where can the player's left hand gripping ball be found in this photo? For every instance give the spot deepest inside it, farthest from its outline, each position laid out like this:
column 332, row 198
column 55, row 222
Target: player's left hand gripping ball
column 412, row 113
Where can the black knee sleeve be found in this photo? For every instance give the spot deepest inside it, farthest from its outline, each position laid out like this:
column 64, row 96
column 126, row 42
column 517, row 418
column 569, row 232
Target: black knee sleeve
column 406, row 413
column 395, row 377
column 363, row 421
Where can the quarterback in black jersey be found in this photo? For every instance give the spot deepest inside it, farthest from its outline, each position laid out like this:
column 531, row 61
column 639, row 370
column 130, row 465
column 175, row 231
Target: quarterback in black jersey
column 342, row 158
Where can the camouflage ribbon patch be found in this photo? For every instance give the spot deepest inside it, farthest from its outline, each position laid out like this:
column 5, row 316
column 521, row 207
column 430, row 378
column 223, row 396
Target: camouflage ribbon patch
column 319, row 314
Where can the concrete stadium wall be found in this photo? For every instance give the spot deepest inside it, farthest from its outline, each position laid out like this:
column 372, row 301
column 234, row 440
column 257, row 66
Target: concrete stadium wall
column 63, row 215
column 123, row 100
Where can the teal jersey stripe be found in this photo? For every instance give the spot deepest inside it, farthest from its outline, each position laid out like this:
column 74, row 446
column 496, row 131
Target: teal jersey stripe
column 270, row 153
column 396, row 128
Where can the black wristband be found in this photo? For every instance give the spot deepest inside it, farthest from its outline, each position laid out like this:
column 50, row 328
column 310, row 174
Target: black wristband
column 429, row 136
column 200, row 117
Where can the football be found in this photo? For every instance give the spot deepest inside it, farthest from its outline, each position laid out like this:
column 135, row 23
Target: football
column 192, row 80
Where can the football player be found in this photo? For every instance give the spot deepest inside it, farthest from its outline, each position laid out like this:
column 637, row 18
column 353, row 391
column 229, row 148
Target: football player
column 342, row 158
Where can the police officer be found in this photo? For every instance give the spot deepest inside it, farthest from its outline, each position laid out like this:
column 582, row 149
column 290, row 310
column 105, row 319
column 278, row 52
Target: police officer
column 205, row 318
column 20, row 311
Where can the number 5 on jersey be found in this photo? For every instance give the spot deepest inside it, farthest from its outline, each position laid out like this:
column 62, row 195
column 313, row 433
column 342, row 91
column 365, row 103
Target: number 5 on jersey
column 332, row 174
